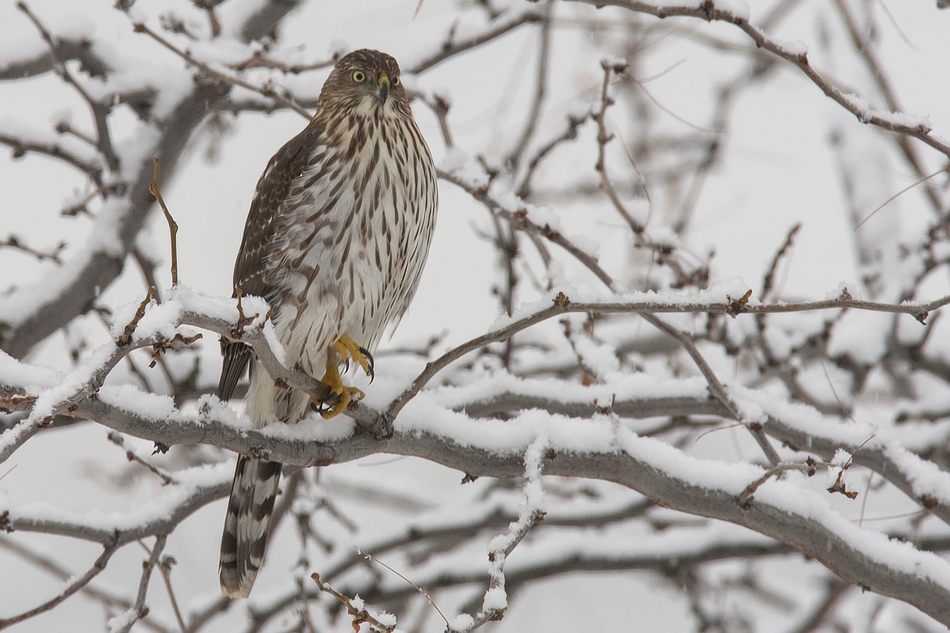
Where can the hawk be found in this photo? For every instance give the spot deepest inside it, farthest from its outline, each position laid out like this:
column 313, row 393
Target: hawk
column 335, row 240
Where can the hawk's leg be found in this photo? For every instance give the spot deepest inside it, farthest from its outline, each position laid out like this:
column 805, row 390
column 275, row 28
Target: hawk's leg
column 345, row 349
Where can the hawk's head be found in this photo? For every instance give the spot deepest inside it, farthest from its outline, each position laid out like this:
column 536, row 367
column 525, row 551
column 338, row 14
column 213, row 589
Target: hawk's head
column 363, row 80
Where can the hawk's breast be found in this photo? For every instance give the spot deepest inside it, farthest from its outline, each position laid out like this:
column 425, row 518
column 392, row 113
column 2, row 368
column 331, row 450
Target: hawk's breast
column 352, row 236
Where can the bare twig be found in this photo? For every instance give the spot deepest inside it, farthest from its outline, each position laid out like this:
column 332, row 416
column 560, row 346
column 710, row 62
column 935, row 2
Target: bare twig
column 139, row 610
column 70, row 589
column 422, row 592
column 264, row 91
column 259, row 60
column 709, row 12
column 569, row 134
column 439, row 105
column 768, row 282
column 503, row 24
column 14, row 242
column 172, row 225
column 132, row 456
column 716, row 387
column 533, row 118
column 165, row 569
column 52, row 566
column 359, row 615
column 866, row 51
column 519, row 219
column 810, row 467
column 100, row 111
column 88, row 166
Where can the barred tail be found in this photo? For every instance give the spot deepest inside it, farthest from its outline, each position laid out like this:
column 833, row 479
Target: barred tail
column 245, row 526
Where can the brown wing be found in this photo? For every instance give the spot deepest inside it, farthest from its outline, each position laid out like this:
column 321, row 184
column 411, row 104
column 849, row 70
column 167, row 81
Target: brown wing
column 285, row 166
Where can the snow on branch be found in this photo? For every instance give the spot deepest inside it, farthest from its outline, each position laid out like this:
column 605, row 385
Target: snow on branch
column 484, row 447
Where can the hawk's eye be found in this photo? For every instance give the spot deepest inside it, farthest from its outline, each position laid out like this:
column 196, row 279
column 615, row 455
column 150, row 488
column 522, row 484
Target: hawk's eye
column 395, row 80
column 359, row 76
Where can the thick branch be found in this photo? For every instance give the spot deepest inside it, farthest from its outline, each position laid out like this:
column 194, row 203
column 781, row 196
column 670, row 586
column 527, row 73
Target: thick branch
column 657, row 471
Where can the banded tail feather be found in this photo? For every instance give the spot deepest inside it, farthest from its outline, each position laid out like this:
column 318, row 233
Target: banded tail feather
column 244, row 541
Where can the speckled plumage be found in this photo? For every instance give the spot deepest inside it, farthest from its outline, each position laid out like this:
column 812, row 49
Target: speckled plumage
column 336, row 238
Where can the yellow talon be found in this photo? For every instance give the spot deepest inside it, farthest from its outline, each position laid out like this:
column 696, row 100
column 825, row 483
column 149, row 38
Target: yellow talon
column 345, row 349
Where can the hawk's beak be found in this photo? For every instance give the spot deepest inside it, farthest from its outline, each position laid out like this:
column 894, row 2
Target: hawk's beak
column 382, row 88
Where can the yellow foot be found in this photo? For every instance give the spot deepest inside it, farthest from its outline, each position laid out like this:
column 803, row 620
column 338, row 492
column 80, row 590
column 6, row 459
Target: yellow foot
column 344, row 349
column 348, row 349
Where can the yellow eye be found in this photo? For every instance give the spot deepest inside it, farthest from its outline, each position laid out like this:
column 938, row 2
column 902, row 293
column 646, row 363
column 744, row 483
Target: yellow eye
column 359, row 76
column 396, row 80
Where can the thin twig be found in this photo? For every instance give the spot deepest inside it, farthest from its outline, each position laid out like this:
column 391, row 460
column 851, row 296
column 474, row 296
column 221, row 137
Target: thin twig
column 70, row 589
column 359, row 615
column 117, row 439
column 768, row 282
column 421, row 591
column 709, row 12
column 100, row 111
column 14, row 242
column 52, row 566
column 716, row 388
column 533, row 117
column 172, row 225
column 265, row 91
column 519, row 219
column 451, row 46
column 569, row 134
column 165, row 569
column 139, row 610
column 866, row 51
column 641, row 238
column 810, row 467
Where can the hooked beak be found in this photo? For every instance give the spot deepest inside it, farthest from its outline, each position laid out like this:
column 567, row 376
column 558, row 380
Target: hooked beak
column 382, row 88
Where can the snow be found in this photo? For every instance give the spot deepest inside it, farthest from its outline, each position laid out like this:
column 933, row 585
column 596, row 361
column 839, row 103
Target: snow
column 613, row 62
column 505, row 437
column 862, row 335
column 623, row 387
column 20, row 374
column 703, row 473
column 796, row 47
column 123, row 621
column 462, row 622
column 150, row 406
column 454, row 160
column 841, row 458
column 721, row 292
column 495, row 599
column 738, row 8
column 155, row 509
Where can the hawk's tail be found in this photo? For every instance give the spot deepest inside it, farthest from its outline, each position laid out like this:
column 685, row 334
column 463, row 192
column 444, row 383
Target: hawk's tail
column 245, row 526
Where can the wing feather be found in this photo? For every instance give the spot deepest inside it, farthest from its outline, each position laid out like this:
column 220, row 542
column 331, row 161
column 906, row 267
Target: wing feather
column 282, row 169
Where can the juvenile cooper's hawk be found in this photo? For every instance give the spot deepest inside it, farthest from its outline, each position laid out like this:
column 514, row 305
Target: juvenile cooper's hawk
column 335, row 240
